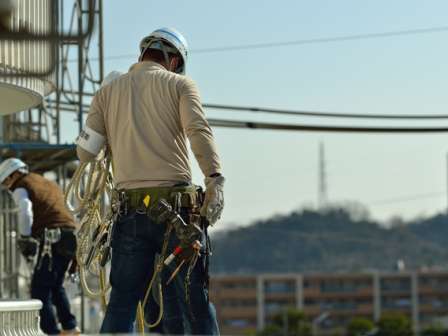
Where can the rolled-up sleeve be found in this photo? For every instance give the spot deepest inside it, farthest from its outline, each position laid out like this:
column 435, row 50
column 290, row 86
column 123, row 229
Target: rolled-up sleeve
column 197, row 129
column 95, row 121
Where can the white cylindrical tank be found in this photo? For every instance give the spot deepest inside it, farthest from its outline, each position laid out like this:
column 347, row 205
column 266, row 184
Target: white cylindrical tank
column 21, row 93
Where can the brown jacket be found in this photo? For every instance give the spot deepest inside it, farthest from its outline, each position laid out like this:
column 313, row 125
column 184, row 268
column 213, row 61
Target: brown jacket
column 49, row 209
column 147, row 115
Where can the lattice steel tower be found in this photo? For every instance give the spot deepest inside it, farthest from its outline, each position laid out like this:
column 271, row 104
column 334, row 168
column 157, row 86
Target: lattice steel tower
column 322, row 195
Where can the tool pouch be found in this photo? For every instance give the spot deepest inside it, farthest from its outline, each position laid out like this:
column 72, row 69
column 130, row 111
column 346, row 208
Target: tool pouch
column 28, row 246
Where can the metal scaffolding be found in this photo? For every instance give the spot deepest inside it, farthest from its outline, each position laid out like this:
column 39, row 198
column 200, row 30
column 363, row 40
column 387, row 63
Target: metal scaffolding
column 35, row 135
column 78, row 74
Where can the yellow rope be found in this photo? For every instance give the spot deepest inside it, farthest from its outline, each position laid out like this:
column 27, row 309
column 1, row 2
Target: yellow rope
column 157, row 271
column 103, row 283
column 140, row 319
column 89, row 184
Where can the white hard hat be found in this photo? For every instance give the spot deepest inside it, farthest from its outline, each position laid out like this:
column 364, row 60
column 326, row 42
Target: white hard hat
column 11, row 165
column 176, row 44
column 113, row 75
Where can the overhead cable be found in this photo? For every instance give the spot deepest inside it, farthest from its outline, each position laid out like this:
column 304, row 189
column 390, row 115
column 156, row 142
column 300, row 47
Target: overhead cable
column 435, row 194
column 317, row 128
column 342, row 38
column 324, row 114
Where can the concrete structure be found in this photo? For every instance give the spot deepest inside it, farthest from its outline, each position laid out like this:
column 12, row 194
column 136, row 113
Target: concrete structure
column 247, row 303
column 20, row 318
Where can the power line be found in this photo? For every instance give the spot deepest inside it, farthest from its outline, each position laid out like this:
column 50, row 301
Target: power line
column 326, row 39
column 408, row 198
column 342, row 38
column 323, row 114
column 311, row 113
column 316, row 128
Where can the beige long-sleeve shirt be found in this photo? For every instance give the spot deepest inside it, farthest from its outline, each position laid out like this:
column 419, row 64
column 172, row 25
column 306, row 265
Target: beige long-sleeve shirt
column 147, row 115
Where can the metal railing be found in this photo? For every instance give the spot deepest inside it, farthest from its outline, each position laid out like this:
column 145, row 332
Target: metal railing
column 20, row 318
column 10, row 259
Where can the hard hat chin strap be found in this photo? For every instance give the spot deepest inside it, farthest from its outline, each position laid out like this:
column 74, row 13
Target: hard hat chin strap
column 165, row 55
column 162, row 47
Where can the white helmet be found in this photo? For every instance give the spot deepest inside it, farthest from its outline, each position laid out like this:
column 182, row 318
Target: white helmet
column 113, row 75
column 11, row 165
column 175, row 43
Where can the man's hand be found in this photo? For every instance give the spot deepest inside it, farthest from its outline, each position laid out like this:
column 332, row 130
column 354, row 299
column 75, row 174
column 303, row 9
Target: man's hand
column 214, row 198
column 28, row 246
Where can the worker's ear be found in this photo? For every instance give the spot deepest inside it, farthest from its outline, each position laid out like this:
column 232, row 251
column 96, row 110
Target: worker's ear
column 174, row 63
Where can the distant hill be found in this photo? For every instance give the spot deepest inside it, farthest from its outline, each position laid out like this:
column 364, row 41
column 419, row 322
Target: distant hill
column 433, row 229
column 332, row 240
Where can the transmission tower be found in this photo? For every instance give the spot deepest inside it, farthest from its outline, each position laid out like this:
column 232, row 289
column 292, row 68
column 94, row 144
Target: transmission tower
column 322, row 196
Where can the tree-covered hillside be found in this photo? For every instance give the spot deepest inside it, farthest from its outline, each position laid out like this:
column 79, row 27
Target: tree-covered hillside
column 330, row 240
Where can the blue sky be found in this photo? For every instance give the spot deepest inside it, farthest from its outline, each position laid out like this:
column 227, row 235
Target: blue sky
column 275, row 172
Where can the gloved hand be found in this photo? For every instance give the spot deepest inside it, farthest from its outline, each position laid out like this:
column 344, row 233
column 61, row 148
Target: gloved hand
column 73, row 271
column 214, row 199
column 28, row 246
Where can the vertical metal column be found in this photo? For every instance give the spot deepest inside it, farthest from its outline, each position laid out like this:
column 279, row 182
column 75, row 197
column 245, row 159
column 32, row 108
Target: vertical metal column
column 415, row 303
column 376, row 296
column 2, row 252
column 80, row 67
column 100, row 41
column 299, row 292
column 9, row 258
column 260, row 303
column 80, row 117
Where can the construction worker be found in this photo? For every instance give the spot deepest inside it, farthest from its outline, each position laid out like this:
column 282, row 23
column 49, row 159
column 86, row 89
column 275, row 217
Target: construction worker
column 46, row 228
column 145, row 117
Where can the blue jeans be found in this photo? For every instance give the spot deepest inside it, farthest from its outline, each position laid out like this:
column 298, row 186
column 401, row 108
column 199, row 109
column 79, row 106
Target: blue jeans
column 47, row 286
column 136, row 241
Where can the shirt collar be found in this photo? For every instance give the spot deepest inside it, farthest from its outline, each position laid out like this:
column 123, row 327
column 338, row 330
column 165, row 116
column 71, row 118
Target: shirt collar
column 146, row 65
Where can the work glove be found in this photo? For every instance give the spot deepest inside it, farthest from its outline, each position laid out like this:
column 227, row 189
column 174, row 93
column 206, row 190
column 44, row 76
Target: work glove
column 214, row 199
column 73, row 271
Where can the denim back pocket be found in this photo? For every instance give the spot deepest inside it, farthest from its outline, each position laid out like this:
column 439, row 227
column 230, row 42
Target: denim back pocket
column 124, row 234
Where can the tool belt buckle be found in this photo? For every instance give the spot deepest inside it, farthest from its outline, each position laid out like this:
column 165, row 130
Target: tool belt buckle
column 52, row 236
column 122, row 205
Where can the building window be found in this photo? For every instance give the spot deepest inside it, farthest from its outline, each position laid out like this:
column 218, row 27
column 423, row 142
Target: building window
column 438, row 283
column 396, row 285
column 333, row 304
column 279, row 287
column 238, row 285
column 238, row 323
column 391, row 303
column 278, row 305
column 341, row 285
column 435, row 302
column 234, row 303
